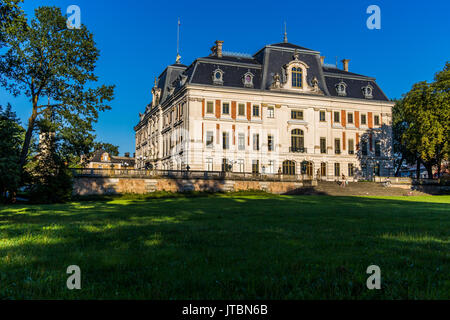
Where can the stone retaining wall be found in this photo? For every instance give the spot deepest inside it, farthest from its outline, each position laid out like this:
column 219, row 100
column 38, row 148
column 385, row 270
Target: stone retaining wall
column 105, row 185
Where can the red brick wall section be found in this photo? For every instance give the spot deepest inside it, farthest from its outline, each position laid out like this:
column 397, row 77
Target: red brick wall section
column 343, row 119
column 234, row 134
column 249, row 111
column 370, row 120
column 203, row 107
column 248, row 136
column 357, row 119
column 217, row 133
column 217, row 109
column 233, row 109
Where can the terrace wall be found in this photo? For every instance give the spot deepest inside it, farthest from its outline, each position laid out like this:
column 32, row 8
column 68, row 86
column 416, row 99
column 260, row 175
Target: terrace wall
column 90, row 185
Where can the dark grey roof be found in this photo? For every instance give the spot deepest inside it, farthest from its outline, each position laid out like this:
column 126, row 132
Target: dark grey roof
column 289, row 45
column 97, row 157
column 354, row 88
column 233, row 74
column 263, row 65
column 341, row 72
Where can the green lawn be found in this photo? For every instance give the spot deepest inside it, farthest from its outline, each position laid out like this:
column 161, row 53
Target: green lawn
column 228, row 247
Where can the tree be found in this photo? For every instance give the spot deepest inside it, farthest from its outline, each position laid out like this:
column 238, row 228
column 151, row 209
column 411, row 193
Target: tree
column 11, row 16
column 48, row 60
column 11, row 138
column 108, row 147
column 423, row 120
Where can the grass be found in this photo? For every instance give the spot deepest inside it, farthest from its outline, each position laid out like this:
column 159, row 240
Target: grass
column 238, row 246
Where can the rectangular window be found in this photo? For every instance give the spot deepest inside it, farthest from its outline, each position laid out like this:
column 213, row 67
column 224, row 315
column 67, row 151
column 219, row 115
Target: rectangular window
column 241, row 141
column 241, row 109
column 240, row 164
column 337, row 146
column 209, row 139
column 322, row 116
column 270, row 142
column 255, row 166
column 226, row 140
column 363, row 119
column 210, row 107
column 351, row 146
column 225, row 108
column 225, row 165
column 376, row 120
column 323, row 169
column 323, row 145
column 350, row 117
column 209, row 164
column 256, row 141
column 364, row 148
column 337, row 117
column 270, row 112
column 271, row 166
column 351, row 170
column 337, row 169
column 377, row 148
column 296, row 114
column 256, row 110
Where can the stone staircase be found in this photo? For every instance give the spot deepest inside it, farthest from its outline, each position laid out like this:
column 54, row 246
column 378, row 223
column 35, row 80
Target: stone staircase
column 356, row 189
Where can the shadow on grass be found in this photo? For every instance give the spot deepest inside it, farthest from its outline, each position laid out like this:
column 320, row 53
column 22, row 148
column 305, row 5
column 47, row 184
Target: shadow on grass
column 223, row 247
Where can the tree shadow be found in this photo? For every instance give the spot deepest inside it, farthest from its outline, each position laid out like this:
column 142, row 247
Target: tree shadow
column 274, row 247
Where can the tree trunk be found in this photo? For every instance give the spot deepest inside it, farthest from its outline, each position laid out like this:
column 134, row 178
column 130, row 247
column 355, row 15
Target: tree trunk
column 429, row 168
column 399, row 167
column 418, row 169
column 439, row 168
column 28, row 135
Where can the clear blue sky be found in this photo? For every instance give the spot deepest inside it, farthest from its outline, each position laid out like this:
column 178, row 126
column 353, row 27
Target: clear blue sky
column 137, row 40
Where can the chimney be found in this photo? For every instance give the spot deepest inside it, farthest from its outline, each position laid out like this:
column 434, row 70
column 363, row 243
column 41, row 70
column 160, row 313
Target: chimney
column 345, row 64
column 219, row 44
column 127, row 154
column 322, row 59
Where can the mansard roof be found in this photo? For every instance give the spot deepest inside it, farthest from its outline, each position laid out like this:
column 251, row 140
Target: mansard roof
column 263, row 65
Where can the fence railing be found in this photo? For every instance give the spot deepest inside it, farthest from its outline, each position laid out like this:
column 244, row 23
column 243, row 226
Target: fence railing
column 184, row 174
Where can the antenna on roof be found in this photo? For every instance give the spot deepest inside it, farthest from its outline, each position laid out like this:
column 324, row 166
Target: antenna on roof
column 285, row 33
column 178, row 42
column 336, row 61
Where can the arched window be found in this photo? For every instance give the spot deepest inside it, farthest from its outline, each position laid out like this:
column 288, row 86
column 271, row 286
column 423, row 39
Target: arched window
column 297, row 141
column 289, row 167
column 307, row 168
column 296, row 77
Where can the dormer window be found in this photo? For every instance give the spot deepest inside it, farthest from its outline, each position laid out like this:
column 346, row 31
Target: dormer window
column 248, row 80
column 217, row 76
column 367, row 91
column 341, row 89
column 297, row 77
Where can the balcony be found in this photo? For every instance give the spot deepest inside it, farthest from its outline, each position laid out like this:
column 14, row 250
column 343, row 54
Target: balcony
column 297, row 149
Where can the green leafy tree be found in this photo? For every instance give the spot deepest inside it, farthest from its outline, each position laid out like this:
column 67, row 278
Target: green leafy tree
column 11, row 138
column 54, row 67
column 108, row 147
column 11, row 16
column 424, row 117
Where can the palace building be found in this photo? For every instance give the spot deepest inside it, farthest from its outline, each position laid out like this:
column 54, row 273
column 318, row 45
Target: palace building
column 279, row 111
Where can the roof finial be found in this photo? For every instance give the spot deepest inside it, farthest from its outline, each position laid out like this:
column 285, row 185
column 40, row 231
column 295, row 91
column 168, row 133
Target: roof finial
column 285, row 33
column 178, row 42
